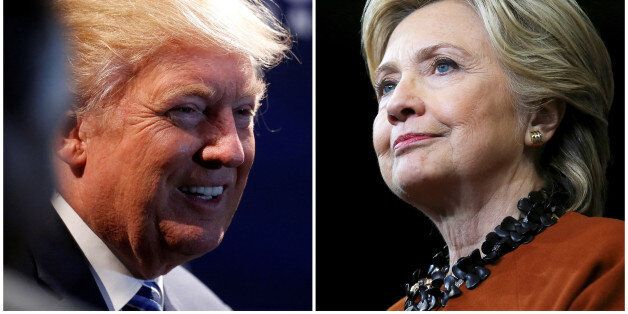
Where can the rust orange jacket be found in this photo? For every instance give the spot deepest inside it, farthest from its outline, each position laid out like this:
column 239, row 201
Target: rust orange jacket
column 576, row 264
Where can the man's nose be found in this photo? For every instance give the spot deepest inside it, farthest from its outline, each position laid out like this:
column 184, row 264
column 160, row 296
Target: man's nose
column 224, row 146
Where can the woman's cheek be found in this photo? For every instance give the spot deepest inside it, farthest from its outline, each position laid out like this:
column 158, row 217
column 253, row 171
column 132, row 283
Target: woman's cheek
column 381, row 134
column 381, row 144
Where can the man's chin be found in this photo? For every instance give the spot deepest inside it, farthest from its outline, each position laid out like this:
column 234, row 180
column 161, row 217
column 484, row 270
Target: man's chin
column 190, row 242
column 195, row 249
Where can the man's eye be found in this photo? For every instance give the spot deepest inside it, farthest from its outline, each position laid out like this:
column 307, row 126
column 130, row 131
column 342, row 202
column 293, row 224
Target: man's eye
column 186, row 116
column 244, row 116
column 245, row 112
column 186, row 109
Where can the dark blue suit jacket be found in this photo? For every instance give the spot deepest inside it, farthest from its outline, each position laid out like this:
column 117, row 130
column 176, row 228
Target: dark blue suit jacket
column 52, row 260
column 49, row 257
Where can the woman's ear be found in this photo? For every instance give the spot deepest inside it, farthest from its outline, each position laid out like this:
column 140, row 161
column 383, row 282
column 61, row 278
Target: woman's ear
column 70, row 142
column 544, row 122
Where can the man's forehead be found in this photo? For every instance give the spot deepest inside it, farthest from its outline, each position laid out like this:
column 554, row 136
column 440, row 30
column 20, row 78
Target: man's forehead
column 217, row 69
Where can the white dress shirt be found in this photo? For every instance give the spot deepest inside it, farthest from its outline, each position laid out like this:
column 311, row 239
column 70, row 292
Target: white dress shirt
column 115, row 282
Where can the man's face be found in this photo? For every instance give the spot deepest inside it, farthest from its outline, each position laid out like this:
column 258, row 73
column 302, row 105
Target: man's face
column 166, row 166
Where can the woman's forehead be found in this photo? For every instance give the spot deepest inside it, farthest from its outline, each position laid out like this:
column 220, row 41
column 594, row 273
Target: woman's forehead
column 441, row 23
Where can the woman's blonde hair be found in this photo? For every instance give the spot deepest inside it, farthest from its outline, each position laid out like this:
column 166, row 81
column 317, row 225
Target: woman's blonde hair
column 110, row 40
column 550, row 51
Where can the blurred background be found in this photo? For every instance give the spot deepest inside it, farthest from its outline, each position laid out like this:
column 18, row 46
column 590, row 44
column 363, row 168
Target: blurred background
column 368, row 242
column 265, row 261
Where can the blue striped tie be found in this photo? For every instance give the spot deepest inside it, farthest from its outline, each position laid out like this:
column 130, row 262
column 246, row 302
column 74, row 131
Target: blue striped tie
column 147, row 299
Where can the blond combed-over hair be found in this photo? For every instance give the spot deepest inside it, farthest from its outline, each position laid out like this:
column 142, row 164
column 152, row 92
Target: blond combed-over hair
column 110, row 40
column 550, row 51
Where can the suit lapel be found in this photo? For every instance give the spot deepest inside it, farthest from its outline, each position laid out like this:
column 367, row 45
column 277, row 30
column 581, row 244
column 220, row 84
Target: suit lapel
column 61, row 265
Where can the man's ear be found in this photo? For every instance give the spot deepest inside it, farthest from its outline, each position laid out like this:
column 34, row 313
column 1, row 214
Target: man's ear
column 544, row 122
column 70, row 142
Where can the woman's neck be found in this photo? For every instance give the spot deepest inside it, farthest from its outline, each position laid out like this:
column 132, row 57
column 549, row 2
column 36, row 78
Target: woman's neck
column 474, row 210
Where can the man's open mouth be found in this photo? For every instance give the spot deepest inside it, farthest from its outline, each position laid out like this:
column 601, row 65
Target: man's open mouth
column 203, row 192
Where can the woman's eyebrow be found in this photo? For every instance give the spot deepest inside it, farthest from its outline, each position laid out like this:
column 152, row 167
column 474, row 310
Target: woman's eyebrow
column 427, row 52
column 385, row 68
column 422, row 54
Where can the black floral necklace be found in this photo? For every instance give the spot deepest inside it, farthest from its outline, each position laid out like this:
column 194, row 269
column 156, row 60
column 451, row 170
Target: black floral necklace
column 540, row 209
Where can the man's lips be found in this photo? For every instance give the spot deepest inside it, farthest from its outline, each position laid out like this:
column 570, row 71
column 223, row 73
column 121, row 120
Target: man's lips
column 407, row 139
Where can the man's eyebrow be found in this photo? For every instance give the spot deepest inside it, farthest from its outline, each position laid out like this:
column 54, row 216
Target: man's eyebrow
column 421, row 55
column 199, row 90
column 256, row 88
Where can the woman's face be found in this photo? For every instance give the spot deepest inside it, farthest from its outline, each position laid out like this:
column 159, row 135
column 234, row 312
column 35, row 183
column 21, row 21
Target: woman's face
column 446, row 117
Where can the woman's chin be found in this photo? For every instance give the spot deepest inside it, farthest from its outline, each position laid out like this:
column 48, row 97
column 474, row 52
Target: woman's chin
column 413, row 182
column 415, row 187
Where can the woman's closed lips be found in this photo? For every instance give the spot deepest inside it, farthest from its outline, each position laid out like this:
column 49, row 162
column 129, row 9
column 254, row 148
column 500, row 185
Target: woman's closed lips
column 410, row 138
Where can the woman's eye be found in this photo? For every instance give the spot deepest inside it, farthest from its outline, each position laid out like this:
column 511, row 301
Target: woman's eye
column 387, row 88
column 384, row 88
column 444, row 66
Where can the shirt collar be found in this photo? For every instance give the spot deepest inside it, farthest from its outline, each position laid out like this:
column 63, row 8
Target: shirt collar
column 116, row 283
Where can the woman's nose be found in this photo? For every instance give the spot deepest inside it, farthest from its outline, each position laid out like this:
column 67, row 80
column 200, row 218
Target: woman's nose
column 224, row 146
column 406, row 101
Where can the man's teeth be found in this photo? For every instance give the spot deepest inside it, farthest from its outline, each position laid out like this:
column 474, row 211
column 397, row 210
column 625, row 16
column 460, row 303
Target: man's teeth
column 205, row 192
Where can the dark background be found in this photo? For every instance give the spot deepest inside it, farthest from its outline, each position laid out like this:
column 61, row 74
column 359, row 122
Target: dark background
column 368, row 242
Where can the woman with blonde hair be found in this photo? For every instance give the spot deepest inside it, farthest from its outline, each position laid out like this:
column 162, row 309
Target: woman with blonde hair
column 492, row 121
